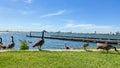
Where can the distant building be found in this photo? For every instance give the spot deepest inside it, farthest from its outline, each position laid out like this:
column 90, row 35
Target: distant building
column 95, row 32
column 117, row 33
column 111, row 33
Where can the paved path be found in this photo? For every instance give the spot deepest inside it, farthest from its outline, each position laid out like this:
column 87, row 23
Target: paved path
column 3, row 50
column 73, row 50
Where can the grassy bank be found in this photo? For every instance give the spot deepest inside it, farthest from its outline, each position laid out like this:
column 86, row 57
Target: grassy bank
column 46, row 59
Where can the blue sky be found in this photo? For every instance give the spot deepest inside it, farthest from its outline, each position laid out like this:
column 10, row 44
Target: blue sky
column 102, row 16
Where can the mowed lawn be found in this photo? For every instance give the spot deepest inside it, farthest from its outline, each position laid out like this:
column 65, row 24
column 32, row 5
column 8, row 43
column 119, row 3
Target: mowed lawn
column 47, row 59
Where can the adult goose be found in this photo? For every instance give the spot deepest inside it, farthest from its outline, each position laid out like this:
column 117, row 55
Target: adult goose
column 1, row 44
column 40, row 42
column 12, row 44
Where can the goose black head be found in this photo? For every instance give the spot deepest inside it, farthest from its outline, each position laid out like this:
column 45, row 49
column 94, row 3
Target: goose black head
column 11, row 36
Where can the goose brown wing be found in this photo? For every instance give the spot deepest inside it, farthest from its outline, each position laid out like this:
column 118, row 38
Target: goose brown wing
column 40, row 42
column 11, row 45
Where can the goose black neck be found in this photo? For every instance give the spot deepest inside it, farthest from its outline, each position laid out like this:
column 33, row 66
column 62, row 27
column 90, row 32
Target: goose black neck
column 43, row 35
column 12, row 39
column 0, row 40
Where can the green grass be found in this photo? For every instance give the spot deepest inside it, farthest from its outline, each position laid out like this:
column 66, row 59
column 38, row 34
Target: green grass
column 46, row 59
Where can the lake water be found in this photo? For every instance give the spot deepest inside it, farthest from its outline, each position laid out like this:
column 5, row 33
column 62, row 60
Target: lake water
column 50, row 43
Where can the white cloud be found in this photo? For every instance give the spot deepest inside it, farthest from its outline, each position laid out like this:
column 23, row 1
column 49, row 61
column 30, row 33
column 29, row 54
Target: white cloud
column 54, row 14
column 78, row 25
column 87, row 26
column 91, row 28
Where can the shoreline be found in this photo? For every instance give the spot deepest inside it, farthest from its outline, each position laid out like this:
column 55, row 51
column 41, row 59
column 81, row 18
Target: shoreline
column 63, row 50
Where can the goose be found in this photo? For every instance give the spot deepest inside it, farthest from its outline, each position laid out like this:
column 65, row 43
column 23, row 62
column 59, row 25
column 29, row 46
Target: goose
column 12, row 44
column 85, row 45
column 66, row 47
column 40, row 42
column 106, row 46
column 1, row 44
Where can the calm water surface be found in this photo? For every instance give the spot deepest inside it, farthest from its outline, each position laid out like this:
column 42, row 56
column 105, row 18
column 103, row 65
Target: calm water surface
column 50, row 43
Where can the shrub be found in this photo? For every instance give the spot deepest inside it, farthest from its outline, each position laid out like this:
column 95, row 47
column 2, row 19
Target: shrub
column 23, row 45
